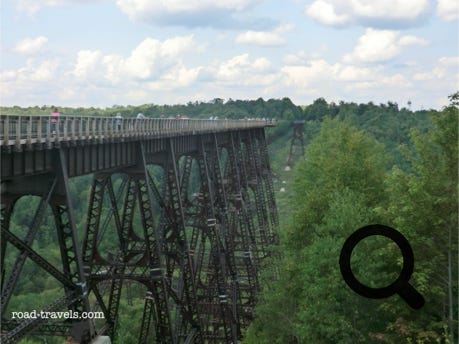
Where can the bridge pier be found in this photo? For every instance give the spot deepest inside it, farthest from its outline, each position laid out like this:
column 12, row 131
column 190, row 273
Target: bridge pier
column 296, row 144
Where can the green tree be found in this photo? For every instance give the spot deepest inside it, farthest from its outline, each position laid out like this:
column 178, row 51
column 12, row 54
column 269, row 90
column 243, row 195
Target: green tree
column 424, row 206
column 337, row 188
column 317, row 110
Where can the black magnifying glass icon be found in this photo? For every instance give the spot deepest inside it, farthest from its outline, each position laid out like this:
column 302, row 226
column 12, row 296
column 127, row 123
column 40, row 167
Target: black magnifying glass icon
column 400, row 286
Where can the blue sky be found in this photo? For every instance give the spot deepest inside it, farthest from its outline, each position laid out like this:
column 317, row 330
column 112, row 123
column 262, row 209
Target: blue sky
column 106, row 52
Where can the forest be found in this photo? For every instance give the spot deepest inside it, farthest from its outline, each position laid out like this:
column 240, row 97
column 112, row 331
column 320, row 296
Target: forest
column 363, row 164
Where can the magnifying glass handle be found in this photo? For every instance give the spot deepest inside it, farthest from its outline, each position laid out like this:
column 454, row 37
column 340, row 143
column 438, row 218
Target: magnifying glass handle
column 411, row 296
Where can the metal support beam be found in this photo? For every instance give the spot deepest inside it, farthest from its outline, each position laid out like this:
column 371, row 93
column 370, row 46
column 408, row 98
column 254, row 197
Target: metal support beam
column 72, row 262
column 187, row 288
column 217, row 271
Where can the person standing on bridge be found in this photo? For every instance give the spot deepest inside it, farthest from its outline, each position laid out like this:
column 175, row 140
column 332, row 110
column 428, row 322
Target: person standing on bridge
column 118, row 122
column 54, row 118
column 139, row 118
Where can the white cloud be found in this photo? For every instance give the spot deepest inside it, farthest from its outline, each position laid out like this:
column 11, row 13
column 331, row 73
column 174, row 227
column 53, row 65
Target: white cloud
column 112, row 65
column 260, row 38
column 445, row 67
column 177, row 77
column 376, row 13
column 87, row 63
column 435, row 83
column 44, row 72
column 32, row 6
column 319, row 74
column 33, row 72
column 152, row 57
column 324, row 12
column 153, row 65
column 448, row 9
column 182, row 12
column 356, row 74
column 140, row 64
column 307, row 75
column 411, row 40
column 31, row 81
column 380, row 45
column 148, row 61
column 30, row 46
column 449, row 61
column 435, row 73
column 264, row 38
column 396, row 80
column 400, row 9
column 134, row 7
column 241, row 69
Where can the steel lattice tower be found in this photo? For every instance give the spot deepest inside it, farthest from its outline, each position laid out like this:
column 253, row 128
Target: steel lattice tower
column 296, row 143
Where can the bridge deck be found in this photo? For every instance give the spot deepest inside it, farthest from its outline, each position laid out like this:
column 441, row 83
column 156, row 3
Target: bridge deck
column 19, row 131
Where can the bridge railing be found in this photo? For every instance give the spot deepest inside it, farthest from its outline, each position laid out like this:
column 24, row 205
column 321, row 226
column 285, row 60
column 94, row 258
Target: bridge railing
column 17, row 130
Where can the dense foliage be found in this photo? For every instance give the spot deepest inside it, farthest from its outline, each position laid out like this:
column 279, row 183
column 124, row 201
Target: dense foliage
column 350, row 178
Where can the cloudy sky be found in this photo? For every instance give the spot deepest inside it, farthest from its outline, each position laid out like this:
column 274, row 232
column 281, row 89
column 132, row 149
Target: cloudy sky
column 106, row 52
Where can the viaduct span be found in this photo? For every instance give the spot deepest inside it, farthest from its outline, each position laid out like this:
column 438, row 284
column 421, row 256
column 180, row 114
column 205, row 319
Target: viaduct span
column 183, row 209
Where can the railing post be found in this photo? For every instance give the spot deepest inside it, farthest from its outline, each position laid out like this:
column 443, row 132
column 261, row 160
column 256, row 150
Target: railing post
column 104, row 129
column 39, row 130
column 6, row 130
column 80, row 128
column 72, row 129
column 88, row 128
column 65, row 129
column 18, row 132
column 94, row 128
column 48, row 131
column 57, row 129
column 29, row 131
column 101, row 129
column 107, row 128
column 112, row 128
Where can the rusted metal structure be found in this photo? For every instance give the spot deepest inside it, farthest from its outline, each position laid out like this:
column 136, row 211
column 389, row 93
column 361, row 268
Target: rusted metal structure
column 296, row 143
column 184, row 208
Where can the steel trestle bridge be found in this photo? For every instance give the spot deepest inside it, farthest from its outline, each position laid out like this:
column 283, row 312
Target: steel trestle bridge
column 183, row 208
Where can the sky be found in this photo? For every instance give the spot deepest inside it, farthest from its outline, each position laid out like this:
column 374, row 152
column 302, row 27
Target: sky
column 101, row 53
